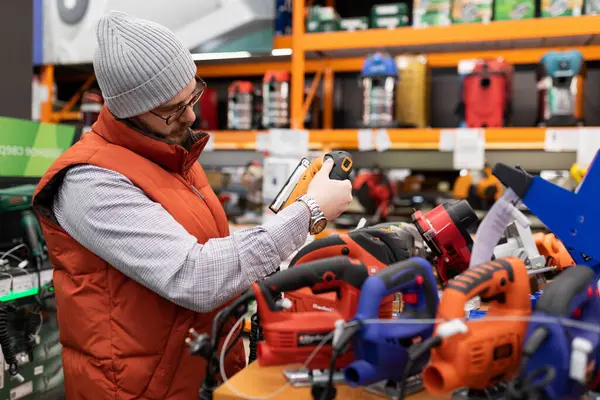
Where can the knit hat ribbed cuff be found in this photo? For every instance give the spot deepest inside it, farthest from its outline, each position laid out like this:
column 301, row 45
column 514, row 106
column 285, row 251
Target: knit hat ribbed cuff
column 156, row 91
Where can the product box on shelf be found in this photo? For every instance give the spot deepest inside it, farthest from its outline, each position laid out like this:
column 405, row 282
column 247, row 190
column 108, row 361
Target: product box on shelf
column 322, row 19
column 464, row 11
column 507, row 10
column 561, row 8
column 354, row 24
column 390, row 22
column 592, row 7
column 431, row 13
column 389, row 15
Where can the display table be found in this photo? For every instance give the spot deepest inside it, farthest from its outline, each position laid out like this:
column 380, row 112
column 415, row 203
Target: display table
column 255, row 381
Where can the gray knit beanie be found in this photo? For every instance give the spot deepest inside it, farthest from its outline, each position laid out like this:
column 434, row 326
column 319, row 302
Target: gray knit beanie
column 139, row 64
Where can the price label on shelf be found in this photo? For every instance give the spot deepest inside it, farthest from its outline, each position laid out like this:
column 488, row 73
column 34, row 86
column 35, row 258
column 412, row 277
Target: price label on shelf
column 262, row 141
column 469, row 149
column 589, row 143
column 288, row 143
column 365, row 140
column 559, row 140
column 210, row 144
column 447, row 139
column 382, row 140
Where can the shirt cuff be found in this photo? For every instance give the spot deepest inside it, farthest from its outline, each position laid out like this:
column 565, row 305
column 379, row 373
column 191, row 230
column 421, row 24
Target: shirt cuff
column 289, row 229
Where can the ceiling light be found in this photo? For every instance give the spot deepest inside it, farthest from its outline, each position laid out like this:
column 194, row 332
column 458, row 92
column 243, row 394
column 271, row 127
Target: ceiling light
column 220, row 56
column 281, row 52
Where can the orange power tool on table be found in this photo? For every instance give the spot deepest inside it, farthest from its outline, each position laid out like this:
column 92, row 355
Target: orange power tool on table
column 553, row 250
column 376, row 248
column 488, row 351
column 291, row 337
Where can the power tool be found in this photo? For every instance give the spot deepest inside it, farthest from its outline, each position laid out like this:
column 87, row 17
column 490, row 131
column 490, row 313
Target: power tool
column 444, row 229
column 485, row 353
column 297, row 183
column 380, row 348
column 375, row 193
column 290, row 337
column 376, row 248
column 575, row 224
column 553, row 250
column 562, row 361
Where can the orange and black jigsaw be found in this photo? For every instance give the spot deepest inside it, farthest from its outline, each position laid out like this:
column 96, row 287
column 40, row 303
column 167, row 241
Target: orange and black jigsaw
column 489, row 350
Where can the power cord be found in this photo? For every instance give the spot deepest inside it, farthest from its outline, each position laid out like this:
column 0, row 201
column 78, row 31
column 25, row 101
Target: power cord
column 523, row 387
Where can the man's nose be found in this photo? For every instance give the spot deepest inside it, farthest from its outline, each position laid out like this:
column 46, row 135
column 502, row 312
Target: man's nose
column 188, row 115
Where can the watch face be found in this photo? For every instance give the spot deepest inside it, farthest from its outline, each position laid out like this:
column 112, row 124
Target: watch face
column 318, row 226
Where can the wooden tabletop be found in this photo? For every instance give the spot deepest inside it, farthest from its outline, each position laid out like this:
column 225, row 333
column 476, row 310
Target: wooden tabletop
column 255, row 381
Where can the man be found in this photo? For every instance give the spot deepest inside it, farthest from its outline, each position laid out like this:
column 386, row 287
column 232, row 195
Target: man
column 139, row 242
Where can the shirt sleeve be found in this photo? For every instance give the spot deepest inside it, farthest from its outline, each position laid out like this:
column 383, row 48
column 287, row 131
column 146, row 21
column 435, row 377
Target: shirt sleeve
column 115, row 220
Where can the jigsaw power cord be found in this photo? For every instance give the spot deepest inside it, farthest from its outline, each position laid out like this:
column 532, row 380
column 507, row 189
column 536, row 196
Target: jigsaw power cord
column 523, row 387
column 6, row 344
column 276, row 392
column 255, row 337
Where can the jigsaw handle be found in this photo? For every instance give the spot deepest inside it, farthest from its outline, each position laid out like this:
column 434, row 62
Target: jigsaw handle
column 414, row 275
column 504, row 281
column 573, row 289
column 342, row 164
column 321, row 276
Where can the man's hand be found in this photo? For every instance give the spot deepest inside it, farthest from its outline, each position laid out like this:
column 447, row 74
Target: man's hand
column 333, row 197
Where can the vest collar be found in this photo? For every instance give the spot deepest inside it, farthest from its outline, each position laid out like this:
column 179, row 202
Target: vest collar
column 171, row 157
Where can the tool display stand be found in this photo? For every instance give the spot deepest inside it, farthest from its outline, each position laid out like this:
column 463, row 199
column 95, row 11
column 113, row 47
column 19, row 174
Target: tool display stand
column 254, row 381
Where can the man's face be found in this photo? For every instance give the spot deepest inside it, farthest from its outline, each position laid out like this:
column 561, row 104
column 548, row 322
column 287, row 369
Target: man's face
column 178, row 128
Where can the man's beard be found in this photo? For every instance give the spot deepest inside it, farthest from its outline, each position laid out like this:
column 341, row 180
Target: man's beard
column 181, row 136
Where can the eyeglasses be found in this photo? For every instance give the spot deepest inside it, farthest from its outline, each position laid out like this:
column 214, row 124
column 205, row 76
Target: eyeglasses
column 175, row 115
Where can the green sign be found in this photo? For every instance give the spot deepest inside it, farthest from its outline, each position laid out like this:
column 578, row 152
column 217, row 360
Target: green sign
column 28, row 148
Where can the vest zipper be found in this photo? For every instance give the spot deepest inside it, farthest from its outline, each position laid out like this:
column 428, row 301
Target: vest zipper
column 197, row 191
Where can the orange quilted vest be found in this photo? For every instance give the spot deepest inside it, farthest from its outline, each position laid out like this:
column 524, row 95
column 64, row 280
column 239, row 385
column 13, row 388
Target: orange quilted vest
column 121, row 340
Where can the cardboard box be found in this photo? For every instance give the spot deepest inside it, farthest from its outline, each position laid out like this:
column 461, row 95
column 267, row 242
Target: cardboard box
column 354, row 24
column 508, row 10
column 390, row 22
column 431, row 13
column 465, row 11
column 561, row 8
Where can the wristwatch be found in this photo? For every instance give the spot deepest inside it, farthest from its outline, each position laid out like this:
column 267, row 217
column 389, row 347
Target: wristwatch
column 318, row 221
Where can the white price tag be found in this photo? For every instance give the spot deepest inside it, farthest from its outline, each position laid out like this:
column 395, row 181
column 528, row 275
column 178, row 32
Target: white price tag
column 559, row 140
column 210, row 144
column 5, row 286
column 47, row 276
column 589, row 143
column 382, row 140
column 447, row 139
column 38, row 370
column 365, row 140
column 22, row 283
column 262, row 141
column 469, row 149
column 288, row 143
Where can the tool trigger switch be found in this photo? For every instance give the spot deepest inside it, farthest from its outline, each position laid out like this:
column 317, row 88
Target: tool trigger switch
column 410, row 298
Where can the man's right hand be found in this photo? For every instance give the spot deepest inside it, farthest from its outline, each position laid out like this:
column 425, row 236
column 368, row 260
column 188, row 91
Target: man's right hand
column 333, row 197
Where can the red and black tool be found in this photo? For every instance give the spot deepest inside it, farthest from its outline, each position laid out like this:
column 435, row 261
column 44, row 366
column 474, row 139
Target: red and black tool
column 291, row 337
column 444, row 229
column 374, row 192
column 376, row 248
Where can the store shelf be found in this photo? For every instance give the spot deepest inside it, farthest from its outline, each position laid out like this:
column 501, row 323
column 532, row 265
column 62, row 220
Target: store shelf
column 402, row 139
column 546, row 32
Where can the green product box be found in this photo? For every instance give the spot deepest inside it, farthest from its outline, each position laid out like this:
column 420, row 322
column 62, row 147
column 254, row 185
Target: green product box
column 431, row 13
column 465, row 11
column 508, row 10
column 322, row 19
column 592, row 7
column 390, row 22
column 386, row 10
column 561, row 8
column 354, row 24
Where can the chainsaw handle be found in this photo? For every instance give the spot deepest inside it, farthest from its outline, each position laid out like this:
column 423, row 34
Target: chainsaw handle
column 504, row 281
column 412, row 275
column 324, row 275
column 573, row 288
